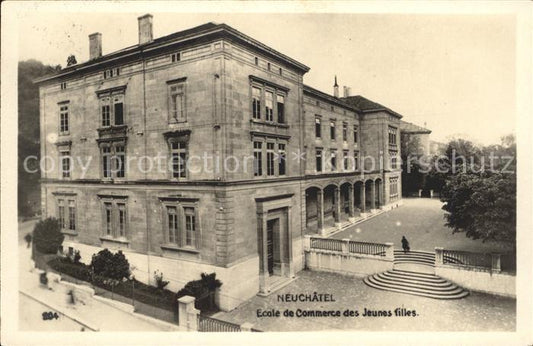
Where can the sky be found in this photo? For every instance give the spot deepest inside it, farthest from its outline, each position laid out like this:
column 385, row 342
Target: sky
column 454, row 74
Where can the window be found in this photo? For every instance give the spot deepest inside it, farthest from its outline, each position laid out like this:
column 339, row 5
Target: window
column 175, row 57
column 345, row 159
column 63, row 85
column 318, row 161
column 393, row 159
column 318, row 128
column 120, row 157
column 281, row 159
column 256, row 103
column 332, row 129
column 281, row 108
column 114, row 160
column 269, row 108
column 112, row 109
column 270, row 159
column 63, row 119
column 280, row 71
column 181, row 226
column 65, row 164
column 256, row 61
column 108, row 218
column 333, row 160
column 268, row 66
column 392, row 135
column 110, row 73
column 393, row 188
column 190, row 226
column 61, row 212
column 344, row 132
column 115, row 217
column 355, row 135
column 356, row 161
column 106, row 115
column 66, row 214
column 72, row 215
column 176, row 102
column 273, row 97
column 172, row 219
column 178, row 153
column 121, row 219
column 258, row 159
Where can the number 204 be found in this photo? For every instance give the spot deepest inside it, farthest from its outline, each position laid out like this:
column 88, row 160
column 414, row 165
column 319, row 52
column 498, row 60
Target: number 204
column 49, row 315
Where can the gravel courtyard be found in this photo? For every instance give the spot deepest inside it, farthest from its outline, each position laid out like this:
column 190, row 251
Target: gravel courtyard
column 477, row 312
column 421, row 220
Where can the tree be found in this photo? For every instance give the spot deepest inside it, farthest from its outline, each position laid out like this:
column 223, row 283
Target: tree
column 481, row 205
column 28, row 135
column 47, row 236
column 71, row 60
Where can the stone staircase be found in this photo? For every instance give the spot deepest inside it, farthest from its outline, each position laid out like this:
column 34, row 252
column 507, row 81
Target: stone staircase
column 415, row 283
column 414, row 257
column 418, row 282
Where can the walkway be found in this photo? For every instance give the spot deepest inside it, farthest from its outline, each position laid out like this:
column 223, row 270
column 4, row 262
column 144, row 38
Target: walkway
column 477, row 312
column 421, row 220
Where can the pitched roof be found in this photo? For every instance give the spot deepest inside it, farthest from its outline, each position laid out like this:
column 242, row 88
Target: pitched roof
column 328, row 98
column 412, row 128
column 201, row 32
column 368, row 106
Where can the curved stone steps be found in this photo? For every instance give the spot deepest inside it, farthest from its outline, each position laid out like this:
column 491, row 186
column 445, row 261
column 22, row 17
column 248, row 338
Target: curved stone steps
column 416, row 257
column 421, row 284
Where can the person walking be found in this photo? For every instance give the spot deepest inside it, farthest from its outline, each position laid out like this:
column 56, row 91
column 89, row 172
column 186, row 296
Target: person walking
column 405, row 244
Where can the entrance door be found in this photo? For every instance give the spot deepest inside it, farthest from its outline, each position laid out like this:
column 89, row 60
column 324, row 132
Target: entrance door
column 271, row 224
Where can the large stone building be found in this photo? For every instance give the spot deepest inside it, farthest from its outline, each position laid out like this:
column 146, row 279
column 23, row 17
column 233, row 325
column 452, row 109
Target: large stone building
column 231, row 159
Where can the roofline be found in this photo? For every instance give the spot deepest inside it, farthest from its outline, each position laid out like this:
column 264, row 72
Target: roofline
column 168, row 40
column 329, row 98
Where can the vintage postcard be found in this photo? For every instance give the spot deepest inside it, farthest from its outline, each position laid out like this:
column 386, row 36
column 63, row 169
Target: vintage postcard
column 319, row 170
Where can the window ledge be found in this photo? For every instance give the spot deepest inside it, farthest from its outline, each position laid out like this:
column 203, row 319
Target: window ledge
column 172, row 247
column 69, row 232
column 120, row 240
column 270, row 123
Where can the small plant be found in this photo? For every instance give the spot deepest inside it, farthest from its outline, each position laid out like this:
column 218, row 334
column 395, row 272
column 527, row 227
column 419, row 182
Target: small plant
column 158, row 277
column 77, row 257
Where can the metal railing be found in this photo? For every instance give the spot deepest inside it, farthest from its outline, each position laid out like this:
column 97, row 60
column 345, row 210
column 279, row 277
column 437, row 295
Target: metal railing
column 374, row 249
column 209, row 324
column 472, row 259
column 326, row 244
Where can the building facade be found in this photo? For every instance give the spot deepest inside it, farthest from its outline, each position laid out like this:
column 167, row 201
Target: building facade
column 203, row 151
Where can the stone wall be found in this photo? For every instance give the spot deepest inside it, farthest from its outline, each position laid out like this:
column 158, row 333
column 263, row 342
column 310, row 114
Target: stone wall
column 478, row 279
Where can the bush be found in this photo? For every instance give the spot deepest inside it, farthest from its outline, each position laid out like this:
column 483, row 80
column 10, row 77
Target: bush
column 47, row 236
column 203, row 290
column 112, row 266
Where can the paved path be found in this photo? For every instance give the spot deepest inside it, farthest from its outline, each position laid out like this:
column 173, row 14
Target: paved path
column 421, row 220
column 477, row 312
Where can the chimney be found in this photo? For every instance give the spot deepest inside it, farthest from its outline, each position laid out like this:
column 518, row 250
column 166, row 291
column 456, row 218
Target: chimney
column 95, row 45
column 145, row 29
column 347, row 91
column 336, row 88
